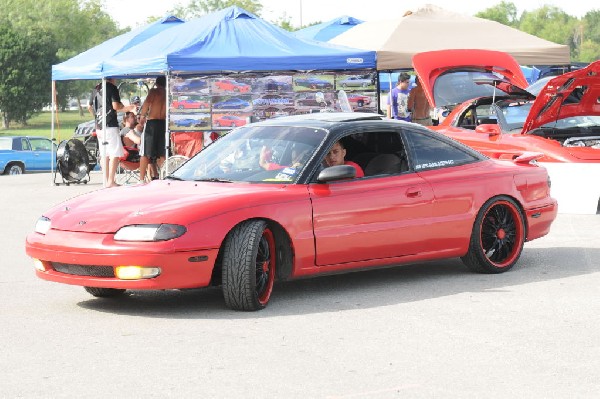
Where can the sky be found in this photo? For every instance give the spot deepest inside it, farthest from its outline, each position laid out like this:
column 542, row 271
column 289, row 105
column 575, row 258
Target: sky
column 134, row 13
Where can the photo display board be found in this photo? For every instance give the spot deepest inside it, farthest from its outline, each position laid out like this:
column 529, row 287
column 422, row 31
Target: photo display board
column 220, row 103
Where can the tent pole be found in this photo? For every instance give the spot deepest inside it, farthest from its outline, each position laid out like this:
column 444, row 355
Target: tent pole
column 52, row 116
column 168, row 116
column 102, row 138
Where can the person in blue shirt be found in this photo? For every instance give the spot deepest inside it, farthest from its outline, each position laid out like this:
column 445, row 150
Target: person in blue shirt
column 398, row 99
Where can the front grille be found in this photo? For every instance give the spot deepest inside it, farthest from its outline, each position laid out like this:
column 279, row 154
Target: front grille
column 80, row 270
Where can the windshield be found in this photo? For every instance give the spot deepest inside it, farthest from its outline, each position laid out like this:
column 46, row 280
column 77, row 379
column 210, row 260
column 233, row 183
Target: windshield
column 580, row 121
column 456, row 87
column 271, row 154
column 538, row 85
column 513, row 114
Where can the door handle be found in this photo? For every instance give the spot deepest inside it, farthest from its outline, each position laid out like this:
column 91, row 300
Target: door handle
column 413, row 192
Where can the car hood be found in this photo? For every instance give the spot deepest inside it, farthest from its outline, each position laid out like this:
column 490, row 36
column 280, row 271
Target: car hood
column 454, row 76
column 164, row 201
column 575, row 93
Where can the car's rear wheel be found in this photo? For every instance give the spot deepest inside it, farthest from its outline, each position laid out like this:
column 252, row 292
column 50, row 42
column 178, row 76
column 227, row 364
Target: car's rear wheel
column 497, row 238
column 104, row 292
column 249, row 261
column 14, row 169
column 360, row 103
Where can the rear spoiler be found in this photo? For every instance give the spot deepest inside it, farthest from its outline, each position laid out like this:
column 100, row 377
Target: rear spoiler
column 528, row 157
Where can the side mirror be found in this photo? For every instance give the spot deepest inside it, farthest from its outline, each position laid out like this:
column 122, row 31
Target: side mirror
column 338, row 172
column 490, row 129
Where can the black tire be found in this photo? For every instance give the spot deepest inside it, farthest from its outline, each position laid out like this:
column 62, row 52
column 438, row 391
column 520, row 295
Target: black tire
column 360, row 103
column 14, row 169
column 497, row 238
column 249, row 261
column 181, row 107
column 104, row 292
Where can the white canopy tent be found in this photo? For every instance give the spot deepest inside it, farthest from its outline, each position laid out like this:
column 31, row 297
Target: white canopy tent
column 433, row 28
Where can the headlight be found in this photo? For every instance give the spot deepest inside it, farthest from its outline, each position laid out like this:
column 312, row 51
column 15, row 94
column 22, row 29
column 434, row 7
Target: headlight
column 149, row 232
column 42, row 225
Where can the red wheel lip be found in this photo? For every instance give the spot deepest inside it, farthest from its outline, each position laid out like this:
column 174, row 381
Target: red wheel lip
column 266, row 294
column 519, row 236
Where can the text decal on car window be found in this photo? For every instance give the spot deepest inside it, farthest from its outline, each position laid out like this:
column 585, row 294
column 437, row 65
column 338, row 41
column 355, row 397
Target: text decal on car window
column 437, row 164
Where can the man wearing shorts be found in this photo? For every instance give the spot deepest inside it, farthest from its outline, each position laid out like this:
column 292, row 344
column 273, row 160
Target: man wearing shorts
column 109, row 138
column 155, row 111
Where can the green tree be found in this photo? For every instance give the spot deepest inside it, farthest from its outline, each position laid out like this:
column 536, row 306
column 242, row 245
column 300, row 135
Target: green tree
column 198, row 8
column 505, row 13
column 73, row 25
column 24, row 72
column 587, row 37
column 285, row 22
column 551, row 23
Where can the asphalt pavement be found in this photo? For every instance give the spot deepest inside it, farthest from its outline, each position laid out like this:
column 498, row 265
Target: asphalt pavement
column 430, row 330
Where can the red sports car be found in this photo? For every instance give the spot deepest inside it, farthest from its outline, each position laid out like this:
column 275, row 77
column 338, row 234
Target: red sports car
column 190, row 104
column 493, row 113
column 225, row 219
column 229, row 121
column 358, row 99
column 232, row 85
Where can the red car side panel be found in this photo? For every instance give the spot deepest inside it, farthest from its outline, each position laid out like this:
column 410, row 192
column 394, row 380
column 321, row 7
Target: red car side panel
column 371, row 219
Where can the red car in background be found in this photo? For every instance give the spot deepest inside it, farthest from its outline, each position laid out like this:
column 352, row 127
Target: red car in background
column 229, row 121
column 493, row 113
column 358, row 99
column 190, row 104
column 232, row 85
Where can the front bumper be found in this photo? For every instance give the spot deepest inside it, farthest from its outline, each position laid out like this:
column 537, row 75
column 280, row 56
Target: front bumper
column 85, row 259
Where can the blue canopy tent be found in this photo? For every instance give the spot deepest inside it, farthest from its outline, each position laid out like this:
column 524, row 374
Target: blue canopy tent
column 88, row 65
column 232, row 40
column 229, row 41
column 328, row 30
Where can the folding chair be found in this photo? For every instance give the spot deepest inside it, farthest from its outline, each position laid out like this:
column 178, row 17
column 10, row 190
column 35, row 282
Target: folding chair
column 129, row 167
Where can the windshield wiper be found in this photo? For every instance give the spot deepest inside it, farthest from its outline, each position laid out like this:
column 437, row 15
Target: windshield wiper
column 171, row 177
column 215, row 179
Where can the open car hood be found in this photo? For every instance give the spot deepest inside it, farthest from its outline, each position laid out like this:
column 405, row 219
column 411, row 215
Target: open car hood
column 575, row 93
column 455, row 76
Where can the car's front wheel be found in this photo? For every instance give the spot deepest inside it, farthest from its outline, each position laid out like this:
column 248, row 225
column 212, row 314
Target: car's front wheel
column 249, row 262
column 497, row 238
column 104, row 292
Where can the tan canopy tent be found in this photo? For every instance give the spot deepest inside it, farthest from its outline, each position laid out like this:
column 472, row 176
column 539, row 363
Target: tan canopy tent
column 433, row 28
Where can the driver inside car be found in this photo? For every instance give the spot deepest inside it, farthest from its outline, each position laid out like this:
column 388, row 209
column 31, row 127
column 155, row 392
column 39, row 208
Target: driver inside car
column 337, row 155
